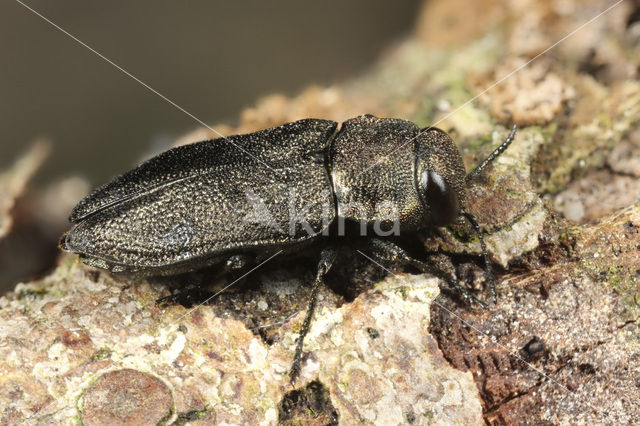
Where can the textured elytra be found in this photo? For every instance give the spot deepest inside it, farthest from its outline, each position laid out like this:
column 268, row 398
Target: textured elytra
column 191, row 202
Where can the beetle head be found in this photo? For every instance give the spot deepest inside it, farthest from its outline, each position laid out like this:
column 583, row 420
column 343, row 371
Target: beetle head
column 441, row 181
column 440, row 176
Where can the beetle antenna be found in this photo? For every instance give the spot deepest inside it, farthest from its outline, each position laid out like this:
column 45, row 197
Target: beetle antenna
column 499, row 150
column 487, row 264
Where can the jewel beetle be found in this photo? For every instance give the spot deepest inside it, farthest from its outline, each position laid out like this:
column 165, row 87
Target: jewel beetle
column 239, row 200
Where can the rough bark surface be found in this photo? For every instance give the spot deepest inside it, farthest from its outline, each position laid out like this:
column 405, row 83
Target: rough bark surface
column 561, row 214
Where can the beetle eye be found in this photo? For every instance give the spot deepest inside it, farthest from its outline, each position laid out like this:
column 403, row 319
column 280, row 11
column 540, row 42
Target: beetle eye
column 441, row 200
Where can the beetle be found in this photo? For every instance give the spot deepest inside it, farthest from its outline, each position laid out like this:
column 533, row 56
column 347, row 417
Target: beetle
column 241, row 199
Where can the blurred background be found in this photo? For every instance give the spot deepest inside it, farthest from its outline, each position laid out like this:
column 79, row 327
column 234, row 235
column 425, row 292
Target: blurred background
column 211, row 58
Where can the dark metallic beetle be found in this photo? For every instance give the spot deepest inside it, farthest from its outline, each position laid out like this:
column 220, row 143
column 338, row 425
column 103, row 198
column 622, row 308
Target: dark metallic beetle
column 244, row 198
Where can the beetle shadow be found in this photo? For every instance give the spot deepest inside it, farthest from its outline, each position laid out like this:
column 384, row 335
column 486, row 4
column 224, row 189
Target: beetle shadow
column 267, row 298
column 263, row 300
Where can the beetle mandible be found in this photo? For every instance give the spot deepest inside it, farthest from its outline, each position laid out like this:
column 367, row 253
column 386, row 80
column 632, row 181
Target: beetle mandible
column 208, row 202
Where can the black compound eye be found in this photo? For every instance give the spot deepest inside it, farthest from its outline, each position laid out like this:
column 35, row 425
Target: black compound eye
column 441, row 199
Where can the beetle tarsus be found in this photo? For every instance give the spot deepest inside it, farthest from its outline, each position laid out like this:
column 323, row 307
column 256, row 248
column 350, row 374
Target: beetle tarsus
column 388, row 251
column 327, row 256
column 485, row 255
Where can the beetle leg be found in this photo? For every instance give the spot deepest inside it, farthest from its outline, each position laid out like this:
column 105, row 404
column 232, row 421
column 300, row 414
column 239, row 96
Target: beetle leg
column 327, row 256
column 390, row 252
column 485, row 254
